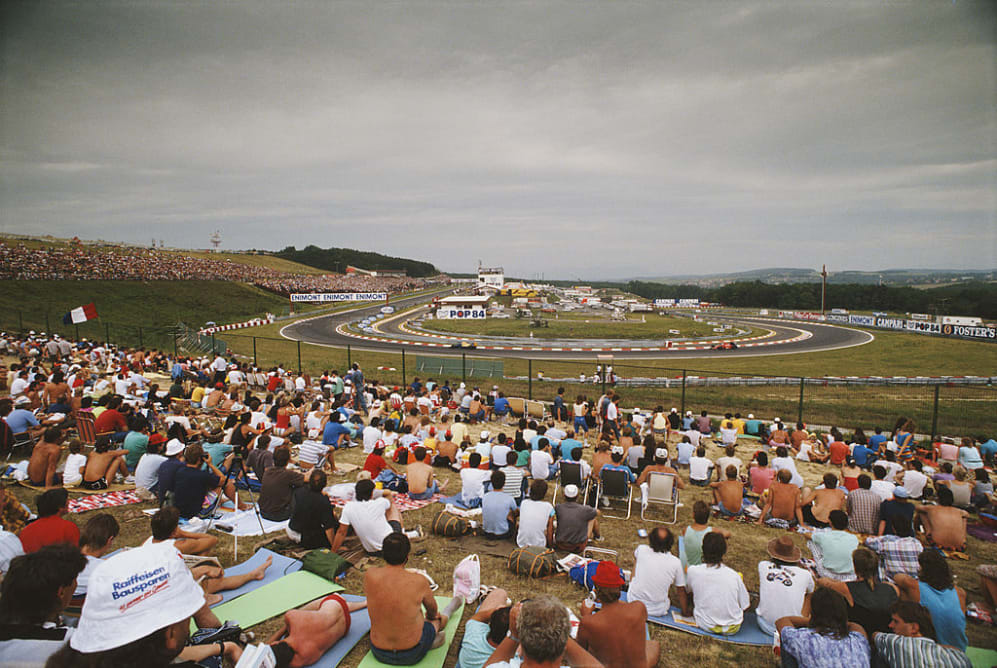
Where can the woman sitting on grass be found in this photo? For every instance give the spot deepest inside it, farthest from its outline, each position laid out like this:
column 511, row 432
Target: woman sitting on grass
column 827, row 639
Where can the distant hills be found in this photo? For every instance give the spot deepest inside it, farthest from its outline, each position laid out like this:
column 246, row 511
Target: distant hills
column 923, row 278
column 337, row 259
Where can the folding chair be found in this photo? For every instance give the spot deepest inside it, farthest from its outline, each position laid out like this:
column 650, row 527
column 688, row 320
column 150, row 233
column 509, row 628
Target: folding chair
column 517, row 406
column 570, row 473
column 534, row 409
column 21, row 440
column 86, row 428
column 615, row 485
column 661, row 489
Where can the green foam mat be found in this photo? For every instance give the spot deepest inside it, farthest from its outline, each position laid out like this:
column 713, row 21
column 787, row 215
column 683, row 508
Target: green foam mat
column 435, row 657
column 276, row 598
column 982, row 658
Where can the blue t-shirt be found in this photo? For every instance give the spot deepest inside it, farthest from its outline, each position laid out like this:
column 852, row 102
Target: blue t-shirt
column 876, row 440
column 684, row 452
column 989, row 447
column 332, row 432
column 495, row 508
column 946, row 615
column 19, row 420
column 861, row 454
column 567, row 445
column 218, row 451
column 687, row 423
column 501, row 406
column 752, row 427
column 136, row 443
column 189, row 487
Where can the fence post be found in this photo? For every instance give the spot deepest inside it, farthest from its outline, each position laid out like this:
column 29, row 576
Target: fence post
column 349, row 357
column 799, row 417
column 212, row 343
column 404, row 381
column 602, row 372
column 299, row 357
column 529, row 378
column 255, row 362
column 463, row 367
column 683, row 392
column 141, row 341
column 934, row 415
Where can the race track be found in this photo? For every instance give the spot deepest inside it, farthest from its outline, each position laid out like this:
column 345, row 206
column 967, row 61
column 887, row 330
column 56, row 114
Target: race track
column 785, row 338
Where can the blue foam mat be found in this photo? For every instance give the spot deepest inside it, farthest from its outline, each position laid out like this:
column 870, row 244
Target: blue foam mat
column 749, row 634
column 280, row 567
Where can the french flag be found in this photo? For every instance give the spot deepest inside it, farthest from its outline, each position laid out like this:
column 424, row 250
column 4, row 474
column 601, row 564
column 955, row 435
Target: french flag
column 81, row 314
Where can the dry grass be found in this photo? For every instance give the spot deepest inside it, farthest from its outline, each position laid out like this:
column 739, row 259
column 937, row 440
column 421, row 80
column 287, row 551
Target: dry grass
column 441, row 555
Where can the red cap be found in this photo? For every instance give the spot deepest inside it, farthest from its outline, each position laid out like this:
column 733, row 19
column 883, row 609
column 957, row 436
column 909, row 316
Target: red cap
column 156, row 437
column 607, row 574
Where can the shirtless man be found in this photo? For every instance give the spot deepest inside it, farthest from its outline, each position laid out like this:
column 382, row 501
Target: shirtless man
column 215, row 398
column 400, row 634
column 615, row 634
column 729, row 493
column 446, row 452
column 944, row 525
column 420, row 477
column 818, row 504
column 310, row 631
column 102, row 465
column 660, row 465
column 55, row 397
column 44, row 459
column 783, row 500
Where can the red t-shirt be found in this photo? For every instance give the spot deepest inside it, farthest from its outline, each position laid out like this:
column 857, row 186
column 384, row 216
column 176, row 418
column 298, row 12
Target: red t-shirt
column 48, row 531
column 110, row 420
column 761, row 478
column 375, row 464
column 838, row 452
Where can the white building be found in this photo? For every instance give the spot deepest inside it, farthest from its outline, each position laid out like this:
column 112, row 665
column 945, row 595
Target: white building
column 493, row 277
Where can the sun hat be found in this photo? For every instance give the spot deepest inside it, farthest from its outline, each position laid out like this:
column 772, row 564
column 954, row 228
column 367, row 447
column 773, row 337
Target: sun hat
column 174, row 447
column 751, row 416
column 900, row 493
column 617, row 450
column 484, row 435
column 607, row 574
column 571, row 491
column 133, row 594
column 783, row 549
column 688, row 413
column 661, row 453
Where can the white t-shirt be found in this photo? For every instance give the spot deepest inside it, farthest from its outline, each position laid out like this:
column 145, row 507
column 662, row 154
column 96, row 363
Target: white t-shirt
column 725, row 461
column 728, row 436
column 147, row 470
column 540, row 461
column 371, row 435
column 884, row 488
column 368, row 521
column 654, row 574
column 83, row 579
column 804, row 454
column 180, row 419
column 71, row 474
column 699, row 468
column 914, row 482
column 499, row 454
column 782, row 590
column 719, row 594
column 612, row 412
column 472, row 483
column 533, row 522
column 694, row 437
column 779, row 463
column 528, row 435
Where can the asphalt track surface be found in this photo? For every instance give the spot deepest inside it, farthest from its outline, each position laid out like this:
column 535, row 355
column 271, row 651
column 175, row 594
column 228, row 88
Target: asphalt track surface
column 787, row 338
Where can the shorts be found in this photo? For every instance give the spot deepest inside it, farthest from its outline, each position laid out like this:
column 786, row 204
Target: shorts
column 700, row 483
column 408, row 657
column 931, row 543
column 98, row 484
column 724, row 630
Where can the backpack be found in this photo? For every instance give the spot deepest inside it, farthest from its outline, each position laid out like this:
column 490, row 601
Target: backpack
column 532, row 560
column 324, row 563
column 449, row 525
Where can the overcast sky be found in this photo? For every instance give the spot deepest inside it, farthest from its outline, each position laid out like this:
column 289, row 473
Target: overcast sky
column 579, row 139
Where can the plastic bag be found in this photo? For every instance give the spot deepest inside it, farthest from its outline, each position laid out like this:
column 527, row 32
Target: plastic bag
column 467, row 578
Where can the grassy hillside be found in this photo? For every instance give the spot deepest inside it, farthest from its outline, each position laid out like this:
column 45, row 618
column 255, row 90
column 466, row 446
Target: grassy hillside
column 269, row 261
column 337, row 259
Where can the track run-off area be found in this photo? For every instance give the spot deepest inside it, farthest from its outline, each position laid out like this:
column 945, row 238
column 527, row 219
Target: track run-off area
column 389, row 334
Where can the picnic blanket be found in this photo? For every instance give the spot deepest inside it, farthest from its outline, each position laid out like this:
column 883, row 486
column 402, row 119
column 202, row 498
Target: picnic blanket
column 280, row 567
column 274, row 598
column 436, row 656
column 402, row 501
column 245, row 523
column 749, row 634
column 983, row 532
column 113, row 487
column 103, row 500
column 455, row 500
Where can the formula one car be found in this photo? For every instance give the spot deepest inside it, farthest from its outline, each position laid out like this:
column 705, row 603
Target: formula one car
column 464, row 344
column 725, row 345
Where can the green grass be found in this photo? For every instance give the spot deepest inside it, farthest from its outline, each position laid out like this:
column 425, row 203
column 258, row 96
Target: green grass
column 573, row 326
column 441, row 555
column 269, row 261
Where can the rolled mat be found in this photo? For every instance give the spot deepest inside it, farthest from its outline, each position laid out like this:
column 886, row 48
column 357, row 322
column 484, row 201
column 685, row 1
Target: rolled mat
column 280, row 567
column 749, row 634
column 434, row 657
column 275, row 598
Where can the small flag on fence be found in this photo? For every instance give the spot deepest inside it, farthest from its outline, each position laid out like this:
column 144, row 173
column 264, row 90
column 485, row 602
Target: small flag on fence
column 81, row 314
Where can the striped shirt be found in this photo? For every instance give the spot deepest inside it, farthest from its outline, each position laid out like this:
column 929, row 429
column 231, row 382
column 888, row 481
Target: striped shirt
column 904, row 652
column 513, row 481
column 312, row 452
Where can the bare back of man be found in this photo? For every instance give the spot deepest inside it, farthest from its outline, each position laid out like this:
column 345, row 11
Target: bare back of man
column 41, row 465
column 395, row 599
column 311, row 630
column 105, row 465
column 945, row 526
column 447, row 449
column 729, row 493
column 826, row 500
column 616, row 636
column 419, row 475
column 785, row 501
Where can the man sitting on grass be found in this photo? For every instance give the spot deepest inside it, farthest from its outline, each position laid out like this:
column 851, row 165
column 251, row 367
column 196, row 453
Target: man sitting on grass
column 615, row 634
column 400, row 633
column 498, row 510
column 577, row 523
column 818, row 504
column 944, row 525
column 783, row 500
column 729, row 494
column 486, row 630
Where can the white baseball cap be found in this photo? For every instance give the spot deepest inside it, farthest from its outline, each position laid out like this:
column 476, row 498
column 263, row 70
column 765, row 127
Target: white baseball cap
column 174, row 447
column 571, row 491
column 484, row 435
column 688, row 413
column 661, row 453
column 751, row 416
column 134, row 593
column 617, row 450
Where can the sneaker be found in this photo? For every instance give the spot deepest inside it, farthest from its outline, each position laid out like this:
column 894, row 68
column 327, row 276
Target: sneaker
column 130, row 480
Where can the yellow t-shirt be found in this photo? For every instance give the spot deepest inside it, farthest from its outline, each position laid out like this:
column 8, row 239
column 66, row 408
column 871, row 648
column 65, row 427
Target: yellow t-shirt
column 197, row 395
